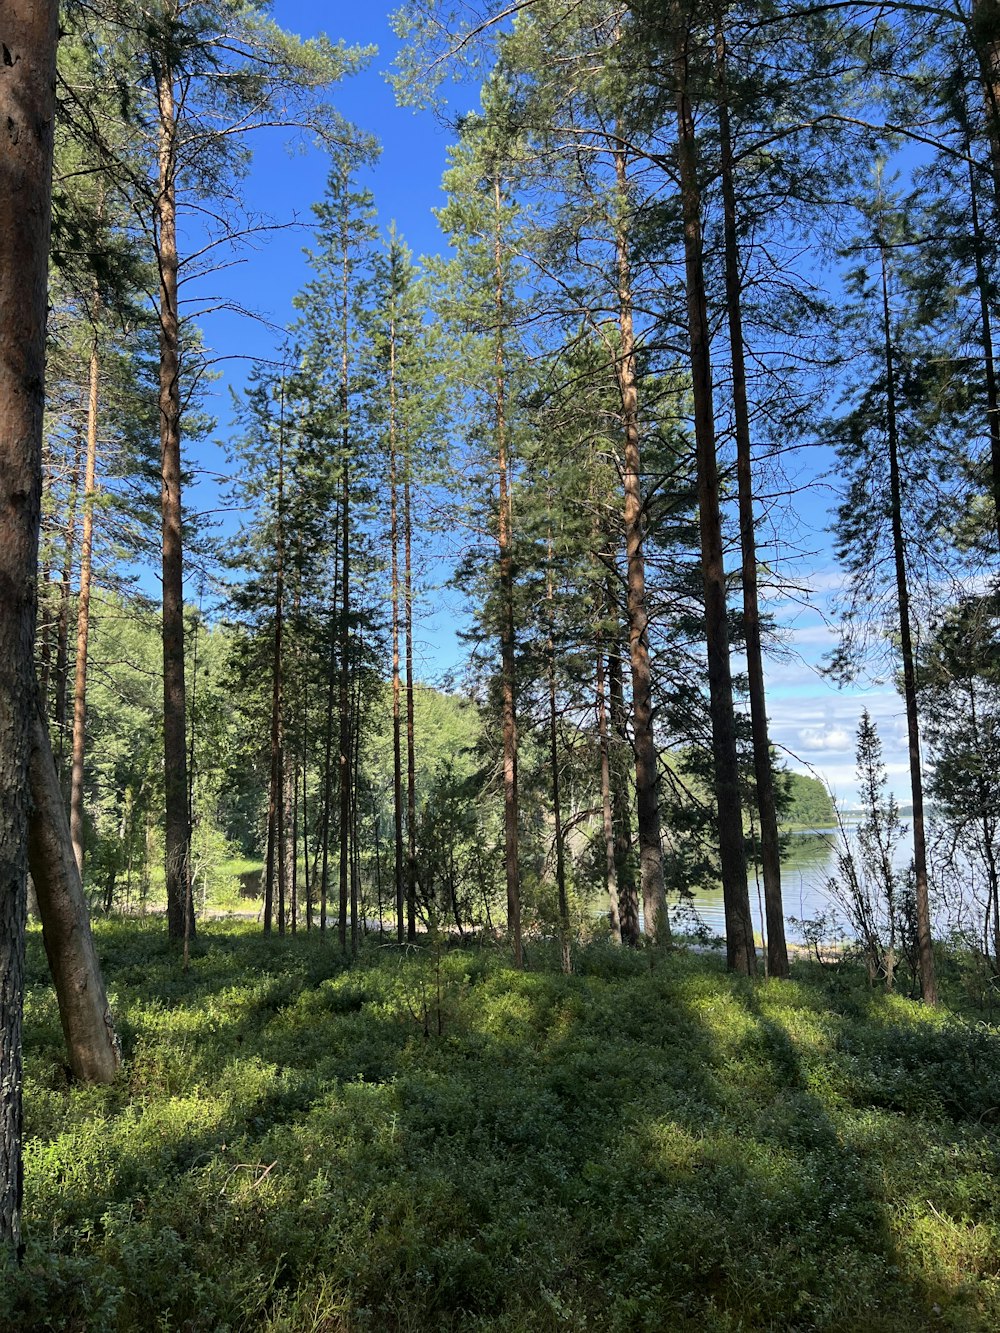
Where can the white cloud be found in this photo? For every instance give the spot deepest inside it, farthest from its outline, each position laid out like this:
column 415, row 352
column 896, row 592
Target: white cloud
column 821, row 738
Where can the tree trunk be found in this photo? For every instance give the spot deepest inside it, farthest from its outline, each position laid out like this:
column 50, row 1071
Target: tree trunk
column 770, row 847
column 925, row 946
column 621, row 757
column 608, row 820
column 180, row 921
column 62, row 622
column 986, row 339
column 411, row 750
column 654, row 900
column 741, row 953
column 507, row 633
column 91, row 1041
column 76, row 821
column 27, row 78
column 397, row 757
column 563, row 901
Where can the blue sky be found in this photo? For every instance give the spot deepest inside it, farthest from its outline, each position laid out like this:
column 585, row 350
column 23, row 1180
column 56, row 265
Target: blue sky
column 813, row 722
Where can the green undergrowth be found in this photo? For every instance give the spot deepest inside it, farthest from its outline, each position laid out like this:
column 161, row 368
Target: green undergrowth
column 428, row 1140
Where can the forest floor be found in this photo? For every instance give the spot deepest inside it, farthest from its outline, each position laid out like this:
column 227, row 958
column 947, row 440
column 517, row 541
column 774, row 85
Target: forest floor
column 428, row 1140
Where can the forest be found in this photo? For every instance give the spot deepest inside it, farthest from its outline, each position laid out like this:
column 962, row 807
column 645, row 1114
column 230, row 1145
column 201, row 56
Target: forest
column 380, row 710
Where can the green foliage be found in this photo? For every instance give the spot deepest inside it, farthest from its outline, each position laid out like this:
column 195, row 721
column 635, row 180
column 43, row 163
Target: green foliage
column 809, row 802
column 428, row 1140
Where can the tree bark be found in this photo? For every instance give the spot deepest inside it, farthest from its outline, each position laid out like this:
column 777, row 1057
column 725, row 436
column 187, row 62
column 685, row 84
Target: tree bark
column 563, row 901
column 29, row 33
column 91, row 1041
column 180, row 922
column 507, row 634
column 654, row 900
column 62, row 622
column 741, row 954
column 770, row 846
column 925, row 945
column 76, row 820
column 621, row 757
column 411, row 747
column 614, row 919
column 397, row 758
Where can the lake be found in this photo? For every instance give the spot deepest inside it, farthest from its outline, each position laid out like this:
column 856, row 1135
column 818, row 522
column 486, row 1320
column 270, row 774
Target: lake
column 810, row 859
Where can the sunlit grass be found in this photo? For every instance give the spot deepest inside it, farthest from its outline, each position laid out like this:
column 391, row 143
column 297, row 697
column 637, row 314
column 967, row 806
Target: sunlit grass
column 430, row 1140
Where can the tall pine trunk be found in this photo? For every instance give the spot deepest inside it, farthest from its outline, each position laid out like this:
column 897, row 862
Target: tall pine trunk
column 275, row 857
column 777, row 951
column 741, row 954
column 62, row 622
column 508, row 684
column 397, row 758
column 647, row 782
column 621, row 758
column 27, row 81
column 411, row 743
column 79, row 745
column 550, row 655
column 177, row 840
column 91, row 1041
column 925, row 947
column 608, row 825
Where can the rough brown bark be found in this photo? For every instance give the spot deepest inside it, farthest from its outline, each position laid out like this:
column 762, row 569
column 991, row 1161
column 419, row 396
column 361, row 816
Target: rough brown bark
column 411, row 744
column 507, row 639
column 741, row 954
column 614, row 919
column 777, row 950
column 654, row 901
column 925, row 945
column 91, row 1041
column 345, row 708
column 79, row 745
column 62, row 622
column 621, row 757
column 397, row 758
column 275, row 856
column 180, row 922
column 29, row 33
column 563, row 901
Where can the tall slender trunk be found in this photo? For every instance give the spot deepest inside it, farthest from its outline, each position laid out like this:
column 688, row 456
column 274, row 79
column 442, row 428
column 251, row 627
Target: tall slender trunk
column 327, row 773
column 621, row 757
column 345, row 609
column 275, row 857
column 925, row 946
column 411, row 749
column 76, row 822
column 293, row 901
column 986, row 339
column 397, row 760
column 356, row 903
column 27, row 81
column 345, row 709
column 307, row 882
column 741, row 953
column 62, row 621
column 654, row 900
column 986, row 42
column 507, row 635
column 607, row 817
column 177, row 831
column 770, row 847
column 550, row 654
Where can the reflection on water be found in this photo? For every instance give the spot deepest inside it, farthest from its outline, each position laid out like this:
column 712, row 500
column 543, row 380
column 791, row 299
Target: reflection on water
column 809, row 860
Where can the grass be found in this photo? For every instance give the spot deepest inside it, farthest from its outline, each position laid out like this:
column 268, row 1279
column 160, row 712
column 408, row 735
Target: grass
column 431, row 1141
